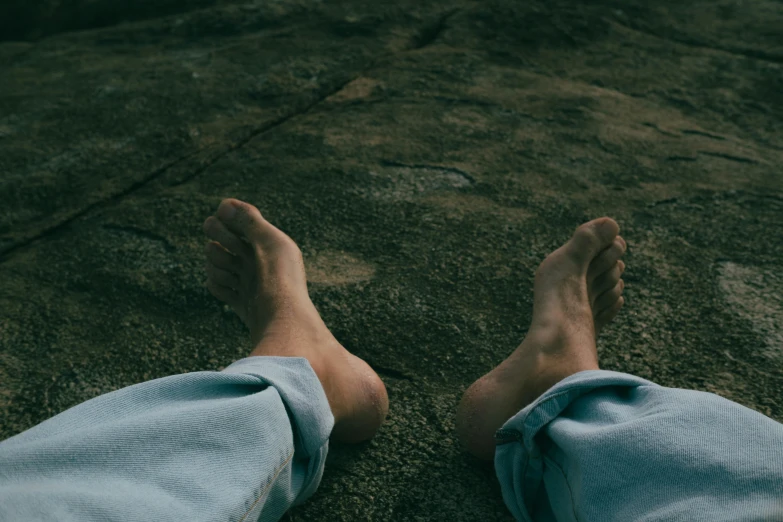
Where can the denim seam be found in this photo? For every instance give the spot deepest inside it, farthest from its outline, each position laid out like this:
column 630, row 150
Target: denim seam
column 263, row 491
column 501, row 437
column 565, row 479
column 521, row 438
column 525, row 512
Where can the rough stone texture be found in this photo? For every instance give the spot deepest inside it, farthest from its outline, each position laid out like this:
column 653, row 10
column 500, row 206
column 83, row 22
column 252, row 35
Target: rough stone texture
column 426, row 158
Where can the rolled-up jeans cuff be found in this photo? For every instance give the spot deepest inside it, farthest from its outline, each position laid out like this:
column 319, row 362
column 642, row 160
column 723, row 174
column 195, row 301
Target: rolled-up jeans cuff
column 525, row 425
column 307, row 406
column 526, row 474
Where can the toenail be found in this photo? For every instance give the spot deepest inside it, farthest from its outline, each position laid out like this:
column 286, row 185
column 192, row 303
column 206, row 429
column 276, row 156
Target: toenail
column 228, row 211
column 209, row 225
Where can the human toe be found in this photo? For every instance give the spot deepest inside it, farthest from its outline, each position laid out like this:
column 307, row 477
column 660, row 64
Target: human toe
column 222, row 258
column 243, row 219
column 608, row 298
column 222, row 277
column 592, row 237
column 607, row 280
column 605, row 316
column 217, row 231
column 607, row 259
column 224, row 293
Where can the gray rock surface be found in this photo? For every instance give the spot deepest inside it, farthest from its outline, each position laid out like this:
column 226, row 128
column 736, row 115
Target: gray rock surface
column 426, row 158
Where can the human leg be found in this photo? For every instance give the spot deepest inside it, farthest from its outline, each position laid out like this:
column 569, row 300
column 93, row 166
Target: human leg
column 579, row 443
column 611, row 447
column 241, row 444
column 577, row 291
column 246, row 442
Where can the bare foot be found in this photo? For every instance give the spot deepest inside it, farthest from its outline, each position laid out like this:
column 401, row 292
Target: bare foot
column 258, row 270
column 577, row 291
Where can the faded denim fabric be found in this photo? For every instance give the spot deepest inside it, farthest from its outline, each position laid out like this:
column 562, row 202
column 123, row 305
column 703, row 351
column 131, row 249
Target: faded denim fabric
column 604, row 446
column 242, row 444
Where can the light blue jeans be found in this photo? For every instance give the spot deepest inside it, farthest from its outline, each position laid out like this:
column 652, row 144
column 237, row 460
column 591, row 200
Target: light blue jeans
column 249, row 442
column 243, row 444
column 611, row 447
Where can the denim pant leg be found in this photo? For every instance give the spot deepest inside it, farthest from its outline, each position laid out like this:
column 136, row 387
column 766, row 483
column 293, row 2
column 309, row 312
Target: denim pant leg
column 611, row 447
column 242, row 444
